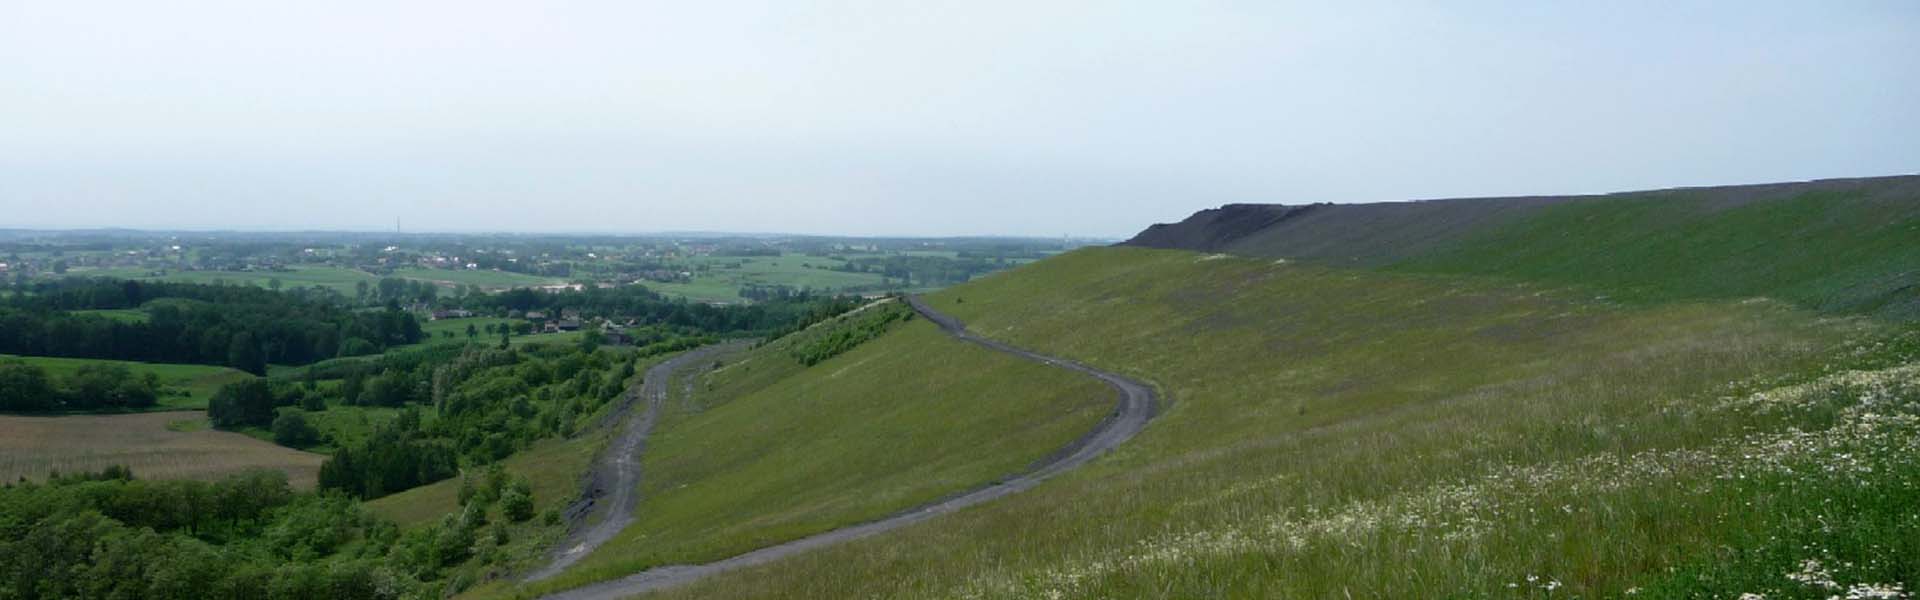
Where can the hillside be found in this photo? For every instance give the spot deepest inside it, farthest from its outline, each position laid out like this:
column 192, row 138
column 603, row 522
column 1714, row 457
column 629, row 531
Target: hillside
column 1328, row 426
column 1657, row 392
column 1837, row 245
column 764, row 448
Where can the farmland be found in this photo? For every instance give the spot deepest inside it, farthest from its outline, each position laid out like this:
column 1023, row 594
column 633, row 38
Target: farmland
column 486, row 279
column 184, row 387
column 30, row 447
column 720, row 278
column 338, row 279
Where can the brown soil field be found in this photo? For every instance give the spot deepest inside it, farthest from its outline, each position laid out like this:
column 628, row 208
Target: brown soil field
column 32, row 446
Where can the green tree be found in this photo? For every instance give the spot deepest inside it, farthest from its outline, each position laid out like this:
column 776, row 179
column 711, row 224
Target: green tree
column 312, row 401
column 516, row 505
column 352, row 386
column 291, row 429
column 357, row 347
column 242, row 404
column 244, row 354
column 24, row 387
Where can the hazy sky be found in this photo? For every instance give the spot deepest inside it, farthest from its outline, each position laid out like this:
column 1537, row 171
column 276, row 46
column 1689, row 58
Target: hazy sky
column 1041, row 118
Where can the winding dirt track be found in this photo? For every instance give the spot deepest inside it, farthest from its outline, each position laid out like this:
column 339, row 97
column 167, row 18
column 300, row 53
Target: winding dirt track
column 612, row 489
column 1136, row 406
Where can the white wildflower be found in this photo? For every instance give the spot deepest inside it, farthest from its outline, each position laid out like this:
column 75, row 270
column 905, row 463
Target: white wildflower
column 1877, row 591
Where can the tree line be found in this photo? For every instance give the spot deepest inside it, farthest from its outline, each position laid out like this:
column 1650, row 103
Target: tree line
column 26, row 387
column 651, row 308
column 240, row 327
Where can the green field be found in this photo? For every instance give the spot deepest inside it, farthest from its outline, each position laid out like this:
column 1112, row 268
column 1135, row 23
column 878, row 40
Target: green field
column 1342, row 432
column 338, row 279
column 343, row 425
column 767, row 451
column 492, row 280
column 184, row 387
column 124, row 315
column 437, row 331
column 724, row 275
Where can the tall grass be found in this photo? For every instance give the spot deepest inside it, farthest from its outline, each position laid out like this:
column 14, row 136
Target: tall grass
column 1336, row 433
column 1841, row 251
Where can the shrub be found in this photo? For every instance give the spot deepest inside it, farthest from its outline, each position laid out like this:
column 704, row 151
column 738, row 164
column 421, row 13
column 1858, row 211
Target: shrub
column 291, row 429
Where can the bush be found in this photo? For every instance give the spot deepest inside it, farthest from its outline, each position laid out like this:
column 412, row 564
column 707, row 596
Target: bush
column 516, row 505
column 357, row 347
column 24, row 387
column 313, row 402
column 290, row 429
column 242, row 404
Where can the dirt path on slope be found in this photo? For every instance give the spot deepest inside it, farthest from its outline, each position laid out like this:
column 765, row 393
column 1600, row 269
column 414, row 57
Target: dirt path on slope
column 1136, row 406
column 611, row 491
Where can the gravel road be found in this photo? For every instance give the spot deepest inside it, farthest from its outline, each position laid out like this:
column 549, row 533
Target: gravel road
column 1135, row 407
column 611, row 491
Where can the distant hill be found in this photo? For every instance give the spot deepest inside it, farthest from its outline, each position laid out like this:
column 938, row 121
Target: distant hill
column 1848, row 245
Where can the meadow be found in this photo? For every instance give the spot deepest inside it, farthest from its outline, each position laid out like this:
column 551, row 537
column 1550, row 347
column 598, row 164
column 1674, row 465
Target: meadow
column 1344, row 433
column 184, row 387
column 338, row 279
column 1847, row 250
column 487, row 279
column 124, row 315
column 725, row 275
column 438, row 330
column 553, row 467
column 148, row 443
column 765, row 450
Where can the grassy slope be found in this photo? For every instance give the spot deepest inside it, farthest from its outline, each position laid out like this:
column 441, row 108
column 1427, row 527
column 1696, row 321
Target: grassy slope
column 552, row 466
column 770, row 451
column 1333, row 433
column 198, row 381
column 1841, row 250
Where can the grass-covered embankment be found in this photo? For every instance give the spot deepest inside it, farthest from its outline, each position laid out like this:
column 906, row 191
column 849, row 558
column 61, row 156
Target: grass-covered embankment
column 1341, row 432
column 768, row 450
column 1843, row 251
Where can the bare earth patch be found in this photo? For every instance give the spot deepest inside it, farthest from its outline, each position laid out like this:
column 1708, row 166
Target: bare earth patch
column 32, row 446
